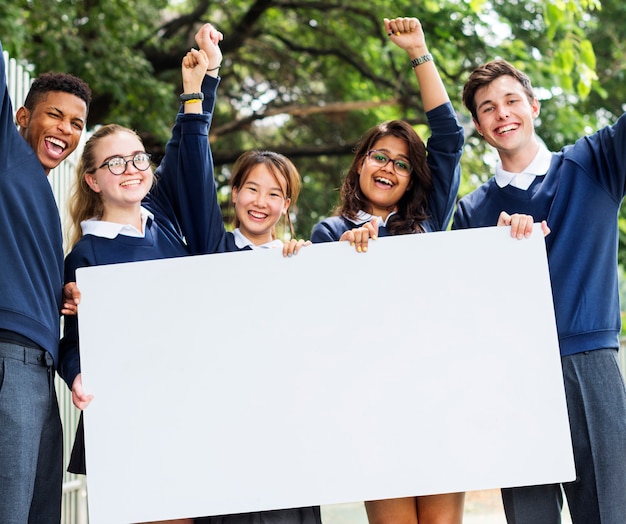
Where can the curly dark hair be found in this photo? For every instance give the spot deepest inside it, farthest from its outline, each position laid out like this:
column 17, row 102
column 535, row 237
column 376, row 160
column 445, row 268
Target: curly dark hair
column 63, row 82
column 413, row 206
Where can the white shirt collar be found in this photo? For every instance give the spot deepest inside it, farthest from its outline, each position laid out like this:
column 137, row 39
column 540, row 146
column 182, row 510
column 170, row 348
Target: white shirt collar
column 362, row 217
column 538, row 167
column 101, row 228
column 241, row 241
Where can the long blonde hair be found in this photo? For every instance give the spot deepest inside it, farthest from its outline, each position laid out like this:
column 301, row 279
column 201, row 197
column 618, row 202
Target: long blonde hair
column 84, row 202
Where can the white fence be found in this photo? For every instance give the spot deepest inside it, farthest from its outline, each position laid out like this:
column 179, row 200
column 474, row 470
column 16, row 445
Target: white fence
column 74, row 490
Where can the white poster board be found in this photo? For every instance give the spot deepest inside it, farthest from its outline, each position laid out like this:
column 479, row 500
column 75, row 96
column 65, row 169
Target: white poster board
column 247, row 381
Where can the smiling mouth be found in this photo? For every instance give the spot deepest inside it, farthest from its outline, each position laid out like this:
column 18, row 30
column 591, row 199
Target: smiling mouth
column 257, row 215
column 383, row 180
column 55, row 145
column 506, row 129
column 127, row 183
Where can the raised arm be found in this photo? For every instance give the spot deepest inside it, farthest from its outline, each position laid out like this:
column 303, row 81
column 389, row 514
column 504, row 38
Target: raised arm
column 208, row 39
column 445, row 144
column 10, row 138
column 186, row 188
column 407, row 34
column 195, row 66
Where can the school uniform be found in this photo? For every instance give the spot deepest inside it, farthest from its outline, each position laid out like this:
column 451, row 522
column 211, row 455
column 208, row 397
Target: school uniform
column 578, row 191
column 31, row 262
column 444, row 149
column 174, row 224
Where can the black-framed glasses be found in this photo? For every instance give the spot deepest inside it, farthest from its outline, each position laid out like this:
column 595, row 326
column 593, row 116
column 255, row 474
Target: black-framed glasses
column 380, row 159
column 117, row 164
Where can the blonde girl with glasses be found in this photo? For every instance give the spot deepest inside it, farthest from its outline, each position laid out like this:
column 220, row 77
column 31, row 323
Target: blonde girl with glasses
column 398, row 185
column 119, row 214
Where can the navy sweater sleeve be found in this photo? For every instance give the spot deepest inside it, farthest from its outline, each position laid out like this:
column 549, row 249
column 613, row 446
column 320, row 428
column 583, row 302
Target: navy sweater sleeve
column 31, row 243
column 184, row 204
column 69, row 359
column 186, row 182
column 580, row 197
column 328, row 230
column 444, row 149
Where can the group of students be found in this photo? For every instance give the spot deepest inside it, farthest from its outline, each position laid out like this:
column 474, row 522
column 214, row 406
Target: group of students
column 396, row 184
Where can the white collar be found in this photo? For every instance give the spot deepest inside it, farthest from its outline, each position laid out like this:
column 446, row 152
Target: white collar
column 241, row 241
column 537, row 167
column 362, row 217
column 102, row 228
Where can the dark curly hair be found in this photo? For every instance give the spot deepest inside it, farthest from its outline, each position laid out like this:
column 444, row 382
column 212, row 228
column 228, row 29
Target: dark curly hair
column 63, row 82
column 413, row 206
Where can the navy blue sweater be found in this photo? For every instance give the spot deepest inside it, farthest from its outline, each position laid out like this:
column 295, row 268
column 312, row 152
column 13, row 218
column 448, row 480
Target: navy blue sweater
column 183, row 204
column 31, row 243
column 444, row 148
column 580, row 197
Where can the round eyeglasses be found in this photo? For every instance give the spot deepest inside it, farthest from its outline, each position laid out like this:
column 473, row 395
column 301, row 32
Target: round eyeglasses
column 379, row 159
column 117, row 165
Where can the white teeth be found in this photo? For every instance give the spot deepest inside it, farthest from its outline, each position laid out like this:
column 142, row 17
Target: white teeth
column 56, row 142
column 257, row 215
column 506, row 128
column 130, row 183
column 383, row 180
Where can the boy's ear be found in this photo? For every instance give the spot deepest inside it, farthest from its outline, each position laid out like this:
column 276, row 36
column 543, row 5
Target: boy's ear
column 535, row 107
column 22, row 117
column 478, row 127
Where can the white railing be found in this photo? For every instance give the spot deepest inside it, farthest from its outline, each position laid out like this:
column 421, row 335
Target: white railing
column 74, row 509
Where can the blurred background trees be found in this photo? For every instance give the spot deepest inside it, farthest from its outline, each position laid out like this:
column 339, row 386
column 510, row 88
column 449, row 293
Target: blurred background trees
column 306, row 77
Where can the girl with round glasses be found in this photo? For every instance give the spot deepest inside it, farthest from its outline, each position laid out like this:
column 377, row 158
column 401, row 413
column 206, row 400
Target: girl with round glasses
column 118, row 164
column 397, row 185
column 124, row 217
column 118, row 212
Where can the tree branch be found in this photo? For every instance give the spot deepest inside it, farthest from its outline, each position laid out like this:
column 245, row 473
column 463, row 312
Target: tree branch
column 298, row 110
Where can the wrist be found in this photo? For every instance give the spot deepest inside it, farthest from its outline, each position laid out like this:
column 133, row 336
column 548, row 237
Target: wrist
column 418, row 50
column 192, row 97
column 422, row 59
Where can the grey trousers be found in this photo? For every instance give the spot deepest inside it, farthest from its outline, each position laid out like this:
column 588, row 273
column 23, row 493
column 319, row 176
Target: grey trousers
column 31, row 438
column 596, row 403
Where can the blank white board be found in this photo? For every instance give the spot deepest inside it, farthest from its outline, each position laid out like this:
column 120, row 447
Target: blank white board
column 247, row 381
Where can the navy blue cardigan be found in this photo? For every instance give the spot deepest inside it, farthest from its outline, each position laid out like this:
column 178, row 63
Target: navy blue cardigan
column 444, row 149
column 31, row 243
column 580, row 197
column 184, row 205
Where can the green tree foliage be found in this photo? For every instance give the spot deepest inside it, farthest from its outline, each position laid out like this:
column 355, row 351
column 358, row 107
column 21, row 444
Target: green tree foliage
column 307, row 78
